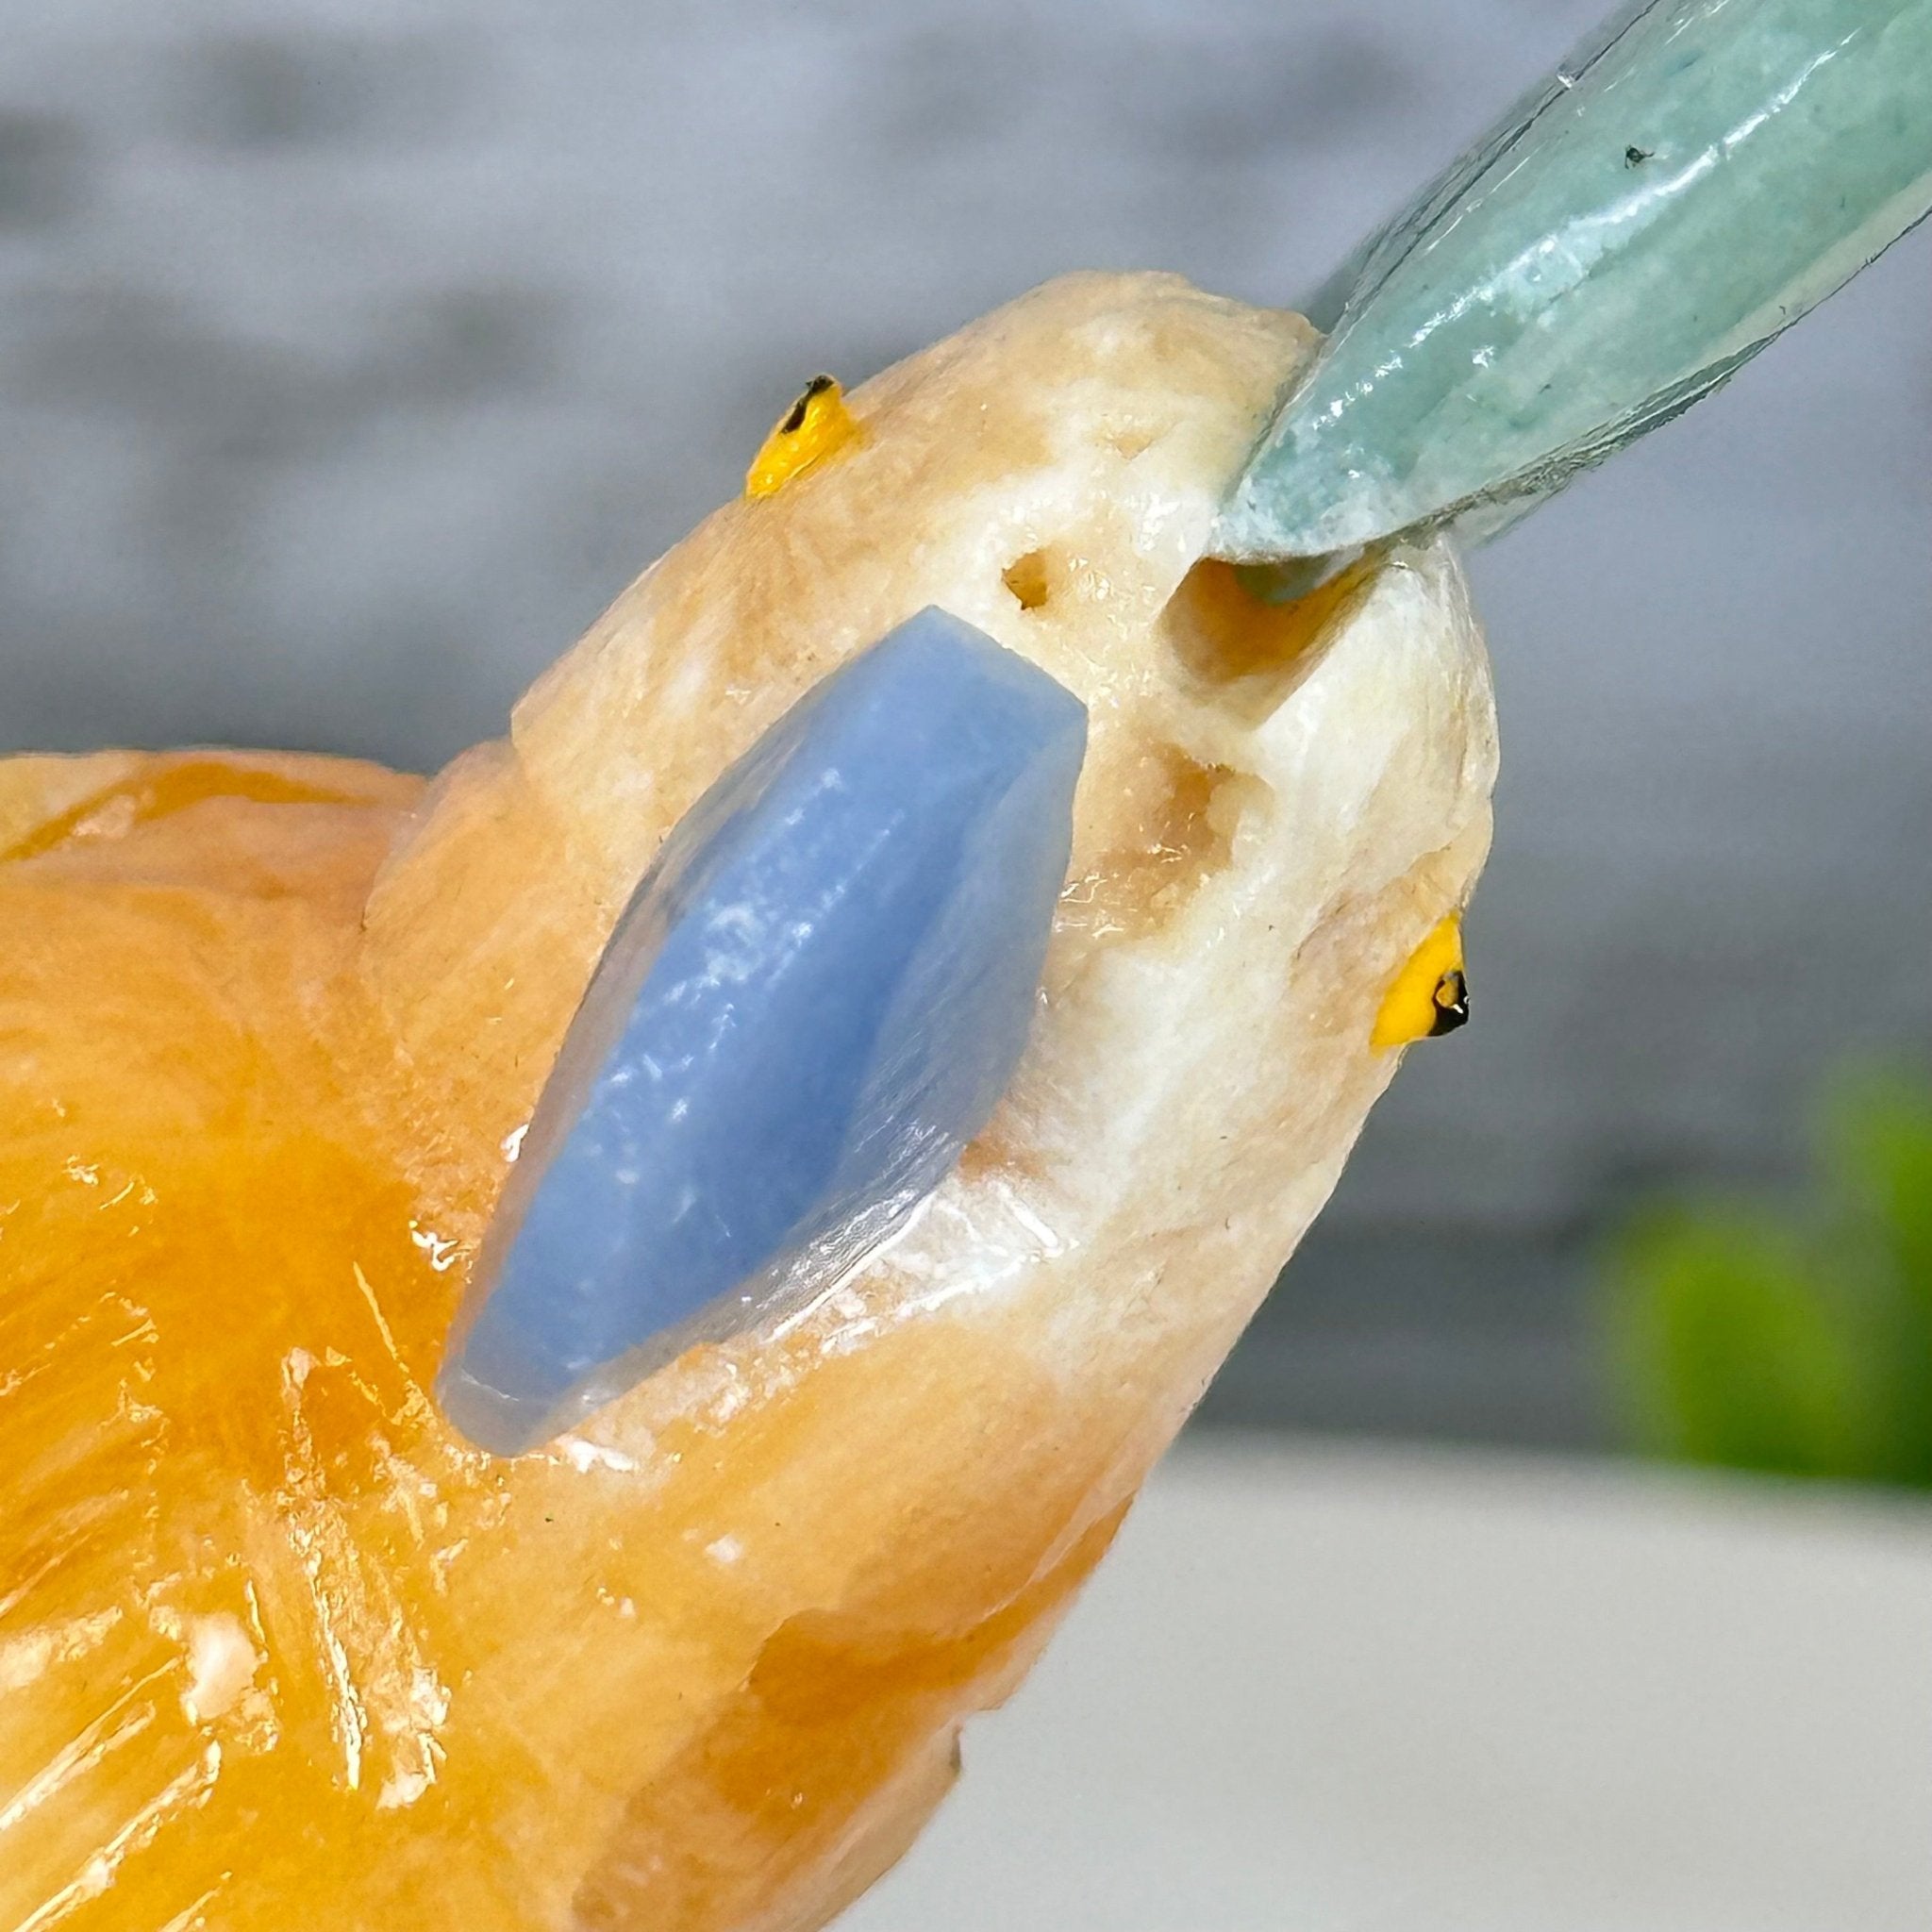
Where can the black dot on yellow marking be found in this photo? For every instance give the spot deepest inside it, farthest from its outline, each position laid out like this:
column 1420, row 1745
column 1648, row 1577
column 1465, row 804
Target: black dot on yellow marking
column 1429, row 997
column 816, row 426
column 794, row 416
column 1452, row 1004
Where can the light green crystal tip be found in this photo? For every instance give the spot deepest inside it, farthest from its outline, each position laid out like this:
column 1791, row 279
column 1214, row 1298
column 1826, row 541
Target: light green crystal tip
column 1695, row 180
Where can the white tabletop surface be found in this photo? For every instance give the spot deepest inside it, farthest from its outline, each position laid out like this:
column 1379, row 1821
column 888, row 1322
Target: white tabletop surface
column 1318, row 1689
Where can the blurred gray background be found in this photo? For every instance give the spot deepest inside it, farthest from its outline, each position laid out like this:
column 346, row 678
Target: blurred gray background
column 352, row 356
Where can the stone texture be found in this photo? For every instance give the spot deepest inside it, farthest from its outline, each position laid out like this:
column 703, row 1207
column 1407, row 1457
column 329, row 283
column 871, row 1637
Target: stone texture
column 1687, row 187
column 703, row 1662
column 814, row 1001
column 332, row 440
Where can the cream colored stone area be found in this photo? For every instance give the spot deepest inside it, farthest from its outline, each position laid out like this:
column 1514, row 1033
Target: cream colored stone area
column 275, row 1025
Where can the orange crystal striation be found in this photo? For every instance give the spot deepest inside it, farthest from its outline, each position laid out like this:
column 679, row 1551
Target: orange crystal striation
column 277, row 1648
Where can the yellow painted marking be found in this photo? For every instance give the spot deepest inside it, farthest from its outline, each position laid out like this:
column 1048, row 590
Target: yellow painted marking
column 1428, row 995
column 817, row 425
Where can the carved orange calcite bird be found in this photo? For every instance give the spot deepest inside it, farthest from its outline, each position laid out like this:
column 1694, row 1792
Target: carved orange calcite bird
column 280, row 1649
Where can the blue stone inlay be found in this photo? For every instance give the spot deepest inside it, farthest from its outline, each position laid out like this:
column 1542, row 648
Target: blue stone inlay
column 815, row 998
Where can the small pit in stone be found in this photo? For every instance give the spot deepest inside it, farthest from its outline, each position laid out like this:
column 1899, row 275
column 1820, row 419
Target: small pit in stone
column 1030, row 579
column 1252, row 651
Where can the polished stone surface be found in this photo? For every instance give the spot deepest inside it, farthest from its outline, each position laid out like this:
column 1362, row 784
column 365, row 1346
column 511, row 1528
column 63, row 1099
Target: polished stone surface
column 350, row 361
column 1623, row 240
column 814, row 1000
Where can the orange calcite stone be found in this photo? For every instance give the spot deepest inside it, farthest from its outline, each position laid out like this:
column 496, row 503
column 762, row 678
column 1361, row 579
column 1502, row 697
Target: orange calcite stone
column 277, row 1648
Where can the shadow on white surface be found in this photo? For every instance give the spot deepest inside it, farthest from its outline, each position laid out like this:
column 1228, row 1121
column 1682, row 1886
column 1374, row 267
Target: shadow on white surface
column 1368, row 1690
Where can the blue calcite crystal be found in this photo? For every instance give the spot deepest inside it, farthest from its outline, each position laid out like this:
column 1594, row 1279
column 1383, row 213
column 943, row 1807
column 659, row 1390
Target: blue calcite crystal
column 815, row 998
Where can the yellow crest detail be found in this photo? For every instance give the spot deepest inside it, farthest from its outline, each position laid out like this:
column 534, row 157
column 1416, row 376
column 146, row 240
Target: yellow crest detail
column 817, row 425
column 1429, row 997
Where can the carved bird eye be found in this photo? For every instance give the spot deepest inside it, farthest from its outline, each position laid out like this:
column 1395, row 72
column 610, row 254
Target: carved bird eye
column 1429, row 997
column 1452, row 1004
column 817, row 425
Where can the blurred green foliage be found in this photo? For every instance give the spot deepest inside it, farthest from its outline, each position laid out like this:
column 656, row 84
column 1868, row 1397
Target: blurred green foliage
column 1793, row 1336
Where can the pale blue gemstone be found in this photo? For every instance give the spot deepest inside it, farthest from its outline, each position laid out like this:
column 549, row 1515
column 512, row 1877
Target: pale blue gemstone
column 813, row 1001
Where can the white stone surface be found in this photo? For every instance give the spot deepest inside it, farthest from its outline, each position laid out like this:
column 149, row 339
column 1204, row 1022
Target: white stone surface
column 1316, row 1690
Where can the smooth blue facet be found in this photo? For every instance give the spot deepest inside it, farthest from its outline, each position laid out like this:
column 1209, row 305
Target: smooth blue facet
column 815, row 998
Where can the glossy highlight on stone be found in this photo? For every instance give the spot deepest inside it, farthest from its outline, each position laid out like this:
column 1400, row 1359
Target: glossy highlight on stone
column 1687, row 185
column 815, row 998
column 272, row 1020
